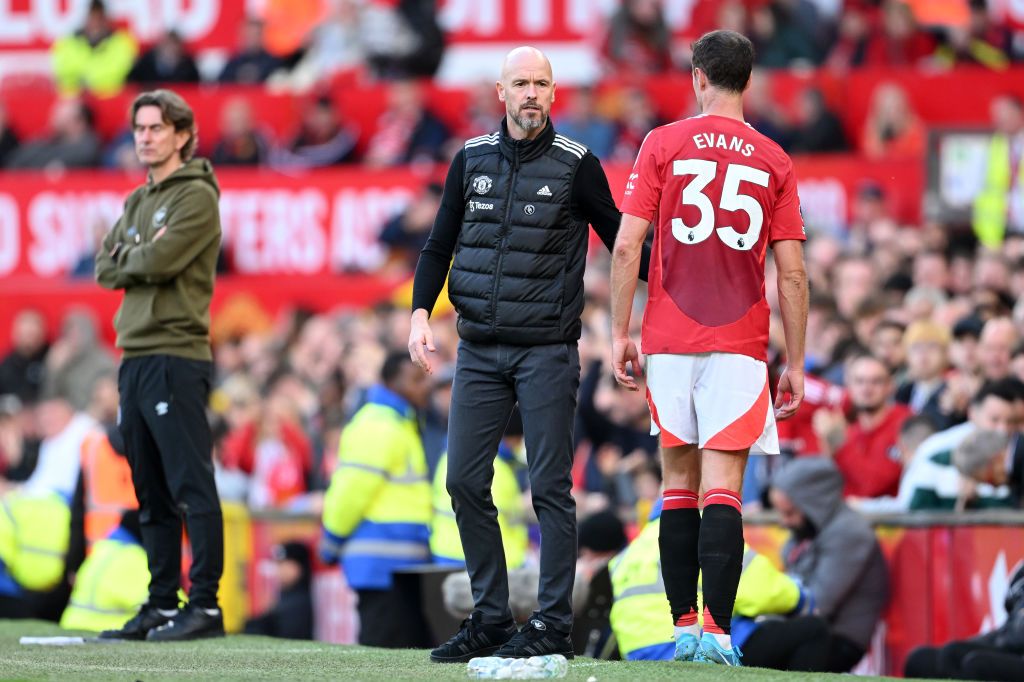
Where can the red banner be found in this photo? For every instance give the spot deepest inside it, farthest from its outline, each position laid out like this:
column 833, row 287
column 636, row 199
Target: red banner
column 35, row 24
column 273, row 224
column 329, row 221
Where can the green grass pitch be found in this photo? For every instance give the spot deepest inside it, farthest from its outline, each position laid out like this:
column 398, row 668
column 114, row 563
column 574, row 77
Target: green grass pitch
column 261, row 658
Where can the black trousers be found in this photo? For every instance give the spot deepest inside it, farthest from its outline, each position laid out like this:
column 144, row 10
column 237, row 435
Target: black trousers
column 964, row 660
column 392, row 620
column 489, row 380
column 804, row 643
column 169, row 448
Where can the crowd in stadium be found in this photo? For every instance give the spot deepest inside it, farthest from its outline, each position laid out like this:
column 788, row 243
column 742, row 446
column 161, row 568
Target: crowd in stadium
column 915, row 334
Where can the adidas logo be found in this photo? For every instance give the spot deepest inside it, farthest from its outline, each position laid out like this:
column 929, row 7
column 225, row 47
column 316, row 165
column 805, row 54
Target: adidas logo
column 544, row 191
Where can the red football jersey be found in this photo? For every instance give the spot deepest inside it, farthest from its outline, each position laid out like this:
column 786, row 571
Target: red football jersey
column 719, row 193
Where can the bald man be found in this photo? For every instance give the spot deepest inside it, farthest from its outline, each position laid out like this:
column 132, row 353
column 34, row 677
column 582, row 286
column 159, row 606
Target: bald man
column 514, row 213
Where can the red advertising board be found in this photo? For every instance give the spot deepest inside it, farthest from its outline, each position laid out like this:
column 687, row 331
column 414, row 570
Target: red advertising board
column 329, row 221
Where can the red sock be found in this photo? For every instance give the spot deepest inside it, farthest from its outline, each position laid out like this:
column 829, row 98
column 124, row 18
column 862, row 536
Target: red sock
column 709, row 623
column 687, row 619
column 678, row 498
column 722, row 496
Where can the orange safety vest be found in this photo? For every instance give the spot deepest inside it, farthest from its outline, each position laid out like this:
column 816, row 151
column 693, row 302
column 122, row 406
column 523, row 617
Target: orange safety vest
column 107, row 487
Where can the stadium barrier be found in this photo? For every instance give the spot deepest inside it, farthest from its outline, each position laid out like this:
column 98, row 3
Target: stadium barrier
column 948, row 573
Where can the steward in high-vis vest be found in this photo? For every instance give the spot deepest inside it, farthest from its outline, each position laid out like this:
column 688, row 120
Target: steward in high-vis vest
column 445, row 543
column 107, row 489
column 35, row 532
column 376, row 516
column 1000, row 203
column 112, row 583
column 640, row 617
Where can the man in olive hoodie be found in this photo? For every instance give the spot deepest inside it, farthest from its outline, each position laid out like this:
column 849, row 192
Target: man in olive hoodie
column 163, row 252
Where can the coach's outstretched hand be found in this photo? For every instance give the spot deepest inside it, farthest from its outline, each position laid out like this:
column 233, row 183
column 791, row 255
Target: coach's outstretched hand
column 791, row 382
column 421, row 340
column 624, row 352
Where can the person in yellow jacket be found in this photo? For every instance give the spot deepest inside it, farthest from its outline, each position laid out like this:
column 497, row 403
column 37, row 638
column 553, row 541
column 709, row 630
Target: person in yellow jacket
column 376, row 516
column 35, row 534
column 97, row 58
column 445, row 542
column 640, row 617
column 112, row 583
column 999, row 206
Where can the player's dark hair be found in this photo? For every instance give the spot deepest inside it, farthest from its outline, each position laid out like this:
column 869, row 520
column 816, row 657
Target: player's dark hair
column 393, row 366
column 726, row 58
column 175, row 111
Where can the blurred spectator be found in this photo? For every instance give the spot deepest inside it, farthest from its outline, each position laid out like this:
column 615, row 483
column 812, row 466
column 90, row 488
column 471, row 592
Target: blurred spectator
column 999, row 207
column 8, row 138
column 252, row 63
column 167, row 62
column 403, row 40
column 267, row 443
column 636, row 118
column 818, row 129
column 797, row 435
column 240, row 144
column 850, row 47
column 931, row 269
column 783, row 33
column 335, row 44
column 377, row 509
column 834, row 554
column 927, row 347
column 113, row 582
column 981, row 462
column 22, row 369
column 914, row 431
column 992, row 655
column 761, row 111
column 406, row 132
column 886, row 345
column 854, row 281
column 932, row 482
column 323, row 139
column 72, row 142
column 406, row 233
column 900, row 42
column 483, row 113
column 582, row 122
column 865, row 452
column 638, row 40
column 870, row 219
column 76, row 361
column 96, row 58
column 892, row 128
column 981, row 41
column 998, row 339
column 291, row 617
column 62, row 431
column 120, row 154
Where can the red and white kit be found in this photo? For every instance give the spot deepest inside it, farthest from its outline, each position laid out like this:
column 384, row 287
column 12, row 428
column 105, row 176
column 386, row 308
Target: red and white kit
column 719, row 194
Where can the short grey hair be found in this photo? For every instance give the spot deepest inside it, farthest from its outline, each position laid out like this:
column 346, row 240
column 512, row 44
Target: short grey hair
column 978, row 450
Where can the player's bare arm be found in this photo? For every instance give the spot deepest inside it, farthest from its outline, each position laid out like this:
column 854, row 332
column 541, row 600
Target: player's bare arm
column 625, row 271
column 793, row 297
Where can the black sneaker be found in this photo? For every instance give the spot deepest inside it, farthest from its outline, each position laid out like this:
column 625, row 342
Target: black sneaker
column 138, row 627
column 537, row 638
column 192, row 623
column 472, row 640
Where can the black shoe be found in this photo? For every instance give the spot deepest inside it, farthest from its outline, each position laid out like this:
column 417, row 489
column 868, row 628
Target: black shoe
column 537, row 638
column 138, row 627
column 472, row 640
column 192, row 623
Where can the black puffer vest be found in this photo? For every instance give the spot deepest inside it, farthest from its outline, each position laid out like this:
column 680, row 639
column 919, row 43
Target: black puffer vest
column 518, row 271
